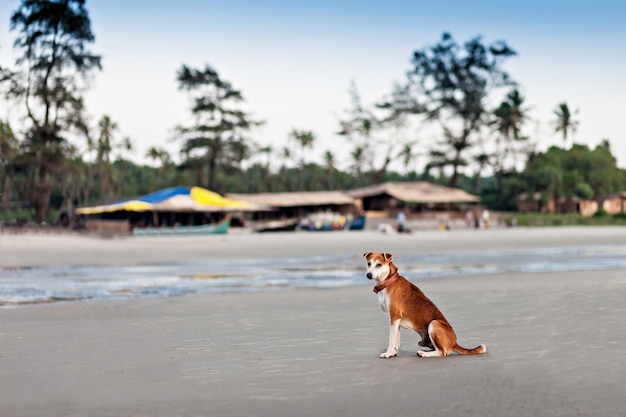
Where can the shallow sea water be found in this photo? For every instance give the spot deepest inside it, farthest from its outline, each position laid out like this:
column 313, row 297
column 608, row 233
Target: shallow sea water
column 19, row 286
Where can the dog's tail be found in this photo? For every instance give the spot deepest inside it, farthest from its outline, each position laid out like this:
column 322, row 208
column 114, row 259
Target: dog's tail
column 476, row 351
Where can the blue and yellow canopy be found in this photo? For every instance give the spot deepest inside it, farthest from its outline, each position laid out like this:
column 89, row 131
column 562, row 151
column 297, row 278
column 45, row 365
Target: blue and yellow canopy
column 179, row 199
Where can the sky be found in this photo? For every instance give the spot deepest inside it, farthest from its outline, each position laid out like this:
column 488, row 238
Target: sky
column 294, row 62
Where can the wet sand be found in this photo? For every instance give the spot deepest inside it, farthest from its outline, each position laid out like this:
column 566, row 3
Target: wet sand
column 555, row 340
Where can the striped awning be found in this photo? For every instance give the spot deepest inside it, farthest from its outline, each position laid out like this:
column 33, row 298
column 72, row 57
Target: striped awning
column 176, row 199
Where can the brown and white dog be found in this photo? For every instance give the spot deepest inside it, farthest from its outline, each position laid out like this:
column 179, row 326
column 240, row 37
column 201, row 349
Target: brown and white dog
column 409, row 308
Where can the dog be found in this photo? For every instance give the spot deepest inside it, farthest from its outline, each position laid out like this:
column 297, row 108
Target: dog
column 409, row 308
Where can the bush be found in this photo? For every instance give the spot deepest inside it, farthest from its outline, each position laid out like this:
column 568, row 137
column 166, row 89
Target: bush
column 601, row 213
column 570, row 219
column 16, row 215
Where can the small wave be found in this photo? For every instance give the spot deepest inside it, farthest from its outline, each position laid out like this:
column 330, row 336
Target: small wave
column 23, row 286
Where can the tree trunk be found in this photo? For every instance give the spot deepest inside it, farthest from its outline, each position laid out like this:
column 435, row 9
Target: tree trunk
column 42, row 194
column 455, row 169
column 5, row 189
column 211, row 174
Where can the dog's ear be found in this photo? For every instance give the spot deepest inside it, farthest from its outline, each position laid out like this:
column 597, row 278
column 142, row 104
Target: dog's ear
column 367, row 255
column 387, row 257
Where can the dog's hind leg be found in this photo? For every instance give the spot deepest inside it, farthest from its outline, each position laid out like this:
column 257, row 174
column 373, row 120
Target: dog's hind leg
column 425, row 342
column 442, row 337
column 394, row 340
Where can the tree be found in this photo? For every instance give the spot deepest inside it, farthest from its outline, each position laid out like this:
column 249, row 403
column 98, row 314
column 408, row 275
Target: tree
column 455, row 82
column 162, row 156
column 104, row 146
column 481, row 160
column 577, row 171
column 407, row 155
column 329, row 162
column 73, row 180
column 564, row 122
column 53, row 60
column 217, row 140
column 159, row 154
column 304, row 138
column 374, row 133
column 8, row 149
column 508, row 120
column 125, row 146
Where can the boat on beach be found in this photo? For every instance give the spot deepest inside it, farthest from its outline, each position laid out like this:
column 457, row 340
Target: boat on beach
column 358, row 223
column 205, row 229
column 288, row 225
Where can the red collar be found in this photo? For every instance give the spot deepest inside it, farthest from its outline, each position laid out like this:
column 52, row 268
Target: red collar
column 386, row 283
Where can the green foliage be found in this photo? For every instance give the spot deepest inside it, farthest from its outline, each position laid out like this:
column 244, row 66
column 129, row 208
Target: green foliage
column 564, row 122
column 601, row 213
column 571, row 219
column 583, row 190
column 454, row 82
column 53, row 59
column 374, row 134
column 217, row 140
column 505, row 197
column 577, row 171
column 19, row 215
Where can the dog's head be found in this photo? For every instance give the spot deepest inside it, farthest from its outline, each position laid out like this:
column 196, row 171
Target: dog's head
column 379, row 266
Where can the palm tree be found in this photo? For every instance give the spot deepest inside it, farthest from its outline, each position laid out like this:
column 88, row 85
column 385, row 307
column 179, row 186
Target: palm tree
column 104, row 147
column 125, row 146
column 407, row 155
column 161, row 155
column 305, row 138
column 509, row 118
column 267, row 152
column 564, row 122
column 329, row 161
column 358, row 159
column 481, row 160
column 285, row 155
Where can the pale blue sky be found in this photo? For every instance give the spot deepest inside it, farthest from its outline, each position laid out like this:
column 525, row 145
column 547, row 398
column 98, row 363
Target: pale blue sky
column 294, row 61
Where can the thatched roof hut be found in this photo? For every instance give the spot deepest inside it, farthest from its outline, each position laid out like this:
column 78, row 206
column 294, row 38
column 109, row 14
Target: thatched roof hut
column 297, row 204
column 386, row 196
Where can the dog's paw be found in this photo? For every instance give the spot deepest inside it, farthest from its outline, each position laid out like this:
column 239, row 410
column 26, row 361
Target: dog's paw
column 388, row 355
column 421, row 353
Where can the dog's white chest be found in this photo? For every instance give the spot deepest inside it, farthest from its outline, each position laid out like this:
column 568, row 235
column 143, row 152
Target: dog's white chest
column 383, row 300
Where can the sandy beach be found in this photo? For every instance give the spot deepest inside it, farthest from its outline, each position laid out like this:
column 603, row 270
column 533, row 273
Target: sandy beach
column 555, row 340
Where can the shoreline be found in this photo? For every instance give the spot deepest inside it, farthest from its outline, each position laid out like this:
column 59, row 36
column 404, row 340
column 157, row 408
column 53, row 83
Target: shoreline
column 40, row 250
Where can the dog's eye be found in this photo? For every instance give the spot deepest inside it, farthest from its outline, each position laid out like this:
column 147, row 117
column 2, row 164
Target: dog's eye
column 369, row 264
column 379, row 265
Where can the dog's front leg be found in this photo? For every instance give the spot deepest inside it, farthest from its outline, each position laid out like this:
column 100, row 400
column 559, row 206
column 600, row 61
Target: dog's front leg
column 394, row 340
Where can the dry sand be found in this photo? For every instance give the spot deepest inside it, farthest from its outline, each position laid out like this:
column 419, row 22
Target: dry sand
column 555, row 340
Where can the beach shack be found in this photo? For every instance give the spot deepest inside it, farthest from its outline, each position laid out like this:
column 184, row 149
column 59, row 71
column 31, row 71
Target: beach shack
column 537, row 203
column 418, row 198
column 614, row 203
column 173, row 210
column 295, row 205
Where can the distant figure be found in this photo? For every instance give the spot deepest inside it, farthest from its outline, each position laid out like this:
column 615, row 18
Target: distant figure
column 400, row 219
column 486, row 218
column 469, row 218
